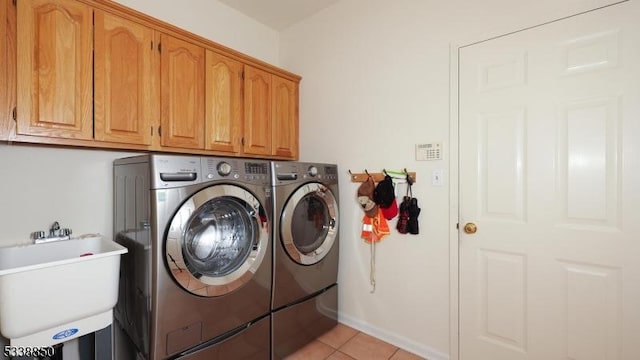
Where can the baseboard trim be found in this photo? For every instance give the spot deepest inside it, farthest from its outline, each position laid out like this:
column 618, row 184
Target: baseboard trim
column 399, row 341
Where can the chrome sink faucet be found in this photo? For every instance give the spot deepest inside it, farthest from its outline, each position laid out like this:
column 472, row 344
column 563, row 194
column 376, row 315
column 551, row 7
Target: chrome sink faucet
column 55, row 234
column 54, row 228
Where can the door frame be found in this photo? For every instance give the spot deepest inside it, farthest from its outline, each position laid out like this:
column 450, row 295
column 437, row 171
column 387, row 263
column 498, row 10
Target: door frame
column 454, row 186
column 454, row 170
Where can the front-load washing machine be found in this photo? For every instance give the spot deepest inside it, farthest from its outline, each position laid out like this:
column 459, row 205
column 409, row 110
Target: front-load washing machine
column 306, row 219
column 197, row 283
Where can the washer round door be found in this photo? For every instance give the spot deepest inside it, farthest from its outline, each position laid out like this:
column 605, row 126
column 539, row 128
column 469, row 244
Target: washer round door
column 217, row 240
column 309, row 223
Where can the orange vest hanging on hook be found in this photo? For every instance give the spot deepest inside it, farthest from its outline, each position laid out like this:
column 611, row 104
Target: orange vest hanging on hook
column 374, row 228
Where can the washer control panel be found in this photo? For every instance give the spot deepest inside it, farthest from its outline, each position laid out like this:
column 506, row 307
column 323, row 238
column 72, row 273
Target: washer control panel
column 253, row 171
column 224, row 168
column 174, row 171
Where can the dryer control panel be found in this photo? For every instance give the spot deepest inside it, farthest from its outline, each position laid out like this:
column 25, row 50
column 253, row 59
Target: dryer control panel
column 287, row 172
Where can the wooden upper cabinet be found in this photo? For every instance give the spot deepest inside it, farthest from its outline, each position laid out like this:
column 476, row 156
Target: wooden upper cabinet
column 125, row 71
column 7, row 68
column 55, row 48
column 182, row 93
column 4, row 75
column 95, row 73
column 285, row 117
column 223, row 103
column 257, row 111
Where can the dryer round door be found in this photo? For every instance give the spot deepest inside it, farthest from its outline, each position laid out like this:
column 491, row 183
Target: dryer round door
column 217, row 240
column 309, row 223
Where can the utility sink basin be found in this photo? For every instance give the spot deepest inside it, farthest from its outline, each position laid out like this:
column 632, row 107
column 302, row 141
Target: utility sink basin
column 57, row 291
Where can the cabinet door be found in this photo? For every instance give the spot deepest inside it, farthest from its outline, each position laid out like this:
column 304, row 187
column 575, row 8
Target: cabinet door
column 285, row 117
column 8, row 68
column 182, row 66
column 223, row 103
column 124, row 99
column 4, row 76
column 257, row 111
column 55, row 49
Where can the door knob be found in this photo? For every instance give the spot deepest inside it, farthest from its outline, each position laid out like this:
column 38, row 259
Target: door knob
column 470, row 228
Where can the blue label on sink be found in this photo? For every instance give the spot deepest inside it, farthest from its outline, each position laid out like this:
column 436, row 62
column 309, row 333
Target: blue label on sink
column 65, row 334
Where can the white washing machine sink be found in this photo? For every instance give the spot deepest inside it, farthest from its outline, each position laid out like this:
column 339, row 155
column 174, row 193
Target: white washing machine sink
column 57, row 291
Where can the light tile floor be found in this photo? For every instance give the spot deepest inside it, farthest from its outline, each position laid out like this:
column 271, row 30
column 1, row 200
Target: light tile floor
column 346, row 343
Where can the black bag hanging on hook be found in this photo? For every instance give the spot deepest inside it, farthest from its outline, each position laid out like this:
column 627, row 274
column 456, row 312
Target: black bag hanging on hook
column 414, row 211
column 409, row 211
column 403, row 219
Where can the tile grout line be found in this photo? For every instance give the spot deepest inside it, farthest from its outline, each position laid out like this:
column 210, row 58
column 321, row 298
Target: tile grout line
column 334, row 351
column 344, row 343
column 349, row 339
column 395, row 352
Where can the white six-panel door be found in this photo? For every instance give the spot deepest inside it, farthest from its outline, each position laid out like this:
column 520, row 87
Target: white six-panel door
column 549, row 172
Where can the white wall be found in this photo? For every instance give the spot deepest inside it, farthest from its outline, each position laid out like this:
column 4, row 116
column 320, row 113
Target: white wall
column 375, row 83
column 215, row 21
column 44, row 184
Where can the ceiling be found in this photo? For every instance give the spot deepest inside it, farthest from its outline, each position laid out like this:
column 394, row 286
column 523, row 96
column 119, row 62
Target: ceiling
column 278, row 14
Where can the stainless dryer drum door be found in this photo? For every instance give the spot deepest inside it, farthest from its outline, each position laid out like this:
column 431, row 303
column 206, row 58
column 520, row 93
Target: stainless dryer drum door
column 309, row 223
column 217, row 240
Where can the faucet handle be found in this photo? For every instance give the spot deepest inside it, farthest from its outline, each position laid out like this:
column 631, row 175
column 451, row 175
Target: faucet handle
column 65, row 232
column 37, row 235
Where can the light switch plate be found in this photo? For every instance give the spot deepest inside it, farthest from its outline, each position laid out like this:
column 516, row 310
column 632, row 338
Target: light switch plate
column 429, row 151
column 437, row 177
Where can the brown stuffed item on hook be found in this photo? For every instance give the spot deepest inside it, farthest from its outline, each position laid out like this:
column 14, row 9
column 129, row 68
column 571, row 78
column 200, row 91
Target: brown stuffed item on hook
column 365, row 198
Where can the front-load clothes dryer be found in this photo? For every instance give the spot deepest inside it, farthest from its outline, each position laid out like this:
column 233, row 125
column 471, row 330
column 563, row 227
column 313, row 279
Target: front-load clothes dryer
column 306, row 249
column 200, row 271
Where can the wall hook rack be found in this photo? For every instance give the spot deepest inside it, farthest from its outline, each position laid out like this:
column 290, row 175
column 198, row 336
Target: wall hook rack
column 377, row 177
